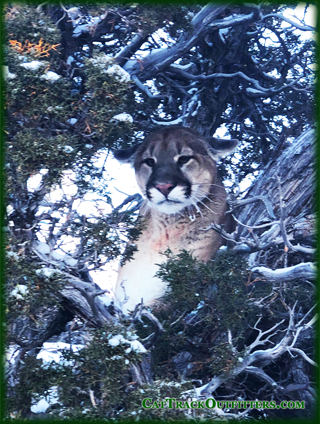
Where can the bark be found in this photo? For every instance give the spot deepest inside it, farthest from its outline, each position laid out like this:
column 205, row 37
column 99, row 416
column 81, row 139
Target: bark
column 284, row 190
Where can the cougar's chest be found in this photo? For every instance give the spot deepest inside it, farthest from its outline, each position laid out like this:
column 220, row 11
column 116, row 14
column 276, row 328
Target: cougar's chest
column 161, row 236
column 136, row 279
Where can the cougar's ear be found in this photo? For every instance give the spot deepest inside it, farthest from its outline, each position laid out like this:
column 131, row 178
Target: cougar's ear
column 221, row 147
column 126, row 155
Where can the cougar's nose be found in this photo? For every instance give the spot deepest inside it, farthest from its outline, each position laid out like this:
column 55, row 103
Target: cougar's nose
column 164, row 188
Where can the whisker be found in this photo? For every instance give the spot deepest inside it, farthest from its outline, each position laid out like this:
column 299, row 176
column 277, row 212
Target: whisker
column 208, row 184
column 206, row 206
column 196, row 207
column 204, row 195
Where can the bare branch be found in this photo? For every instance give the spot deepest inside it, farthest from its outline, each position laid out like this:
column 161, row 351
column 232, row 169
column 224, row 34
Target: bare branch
column 241, row 202
column 256, row 227
column 124, row 55
column 303, row 270
column 133, row 198
column 144, row 88
column 258, row 372
column 284, row 18
column 303, row 354
column 257, row 91
column 262, row 357
column 204, row 19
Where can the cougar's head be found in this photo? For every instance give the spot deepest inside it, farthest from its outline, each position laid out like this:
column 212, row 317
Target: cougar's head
column 176, row 167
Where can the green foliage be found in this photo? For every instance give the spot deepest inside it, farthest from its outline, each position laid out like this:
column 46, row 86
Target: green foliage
column 26, row 22
column 202, row 304
column 38, row 110
column 107, row 95
column 93, row 382
column 34, row 152
column 34, row 379
column 42, row 141
column 191, row 281
column 36, row 101
column 100, row 239
column 133, row 233
column 31, row 295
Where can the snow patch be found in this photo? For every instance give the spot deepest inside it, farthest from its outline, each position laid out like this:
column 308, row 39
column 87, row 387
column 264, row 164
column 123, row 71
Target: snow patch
column 68, row 149
column 50, row 76
column 40, row 407
column 72, row 121
column 119, row 73
column 79, row 29
column 101, row 61
column 116, row 340
column 74, row 13
column 136, row 346
column 34, row 182
column 51, row 351
column 175, row 122
column 47, row 272
column 33, row 66
column 124, row 117
column 45, row 402
column 70, row 60
column 182, row 67
column 13, row 255
column 19, row 291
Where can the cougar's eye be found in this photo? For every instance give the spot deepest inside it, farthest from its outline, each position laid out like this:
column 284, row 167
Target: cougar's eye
column 150, row 162
column 183, row 159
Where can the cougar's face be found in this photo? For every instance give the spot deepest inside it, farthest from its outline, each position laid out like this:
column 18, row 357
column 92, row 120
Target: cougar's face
column 174, row 170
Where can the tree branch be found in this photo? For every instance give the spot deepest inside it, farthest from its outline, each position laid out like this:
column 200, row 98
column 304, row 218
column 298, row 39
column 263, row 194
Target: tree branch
column 304, row 355
column 124, row 55
column 303, row 270
column 144, row 88
column 258, row 91
column 284, row 18
column 205, row 18
column 263, row 357
column 241, row 202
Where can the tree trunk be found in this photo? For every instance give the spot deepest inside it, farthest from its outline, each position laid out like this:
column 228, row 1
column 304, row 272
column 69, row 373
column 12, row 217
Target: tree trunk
column 280, row 203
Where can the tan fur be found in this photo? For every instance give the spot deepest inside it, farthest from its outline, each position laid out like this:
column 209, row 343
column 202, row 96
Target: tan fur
column 170, row 224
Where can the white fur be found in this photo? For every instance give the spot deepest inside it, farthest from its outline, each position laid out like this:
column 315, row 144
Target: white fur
column 175, row 202
column 143, row 285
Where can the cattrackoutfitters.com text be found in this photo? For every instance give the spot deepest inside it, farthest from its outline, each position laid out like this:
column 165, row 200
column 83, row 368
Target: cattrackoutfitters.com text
column 211, row 403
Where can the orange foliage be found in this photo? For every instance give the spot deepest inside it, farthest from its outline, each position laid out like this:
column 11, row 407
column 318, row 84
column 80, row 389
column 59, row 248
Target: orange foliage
column 39, row 50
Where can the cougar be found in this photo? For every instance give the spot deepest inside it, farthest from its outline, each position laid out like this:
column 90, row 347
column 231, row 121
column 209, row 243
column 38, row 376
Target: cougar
column 176, row 172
